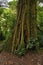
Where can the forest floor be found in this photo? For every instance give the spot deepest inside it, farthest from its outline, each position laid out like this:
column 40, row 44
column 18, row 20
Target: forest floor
column 29, row 59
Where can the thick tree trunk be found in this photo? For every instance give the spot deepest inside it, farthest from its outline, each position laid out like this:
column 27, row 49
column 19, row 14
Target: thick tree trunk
column 33, row 18
column 26, row 24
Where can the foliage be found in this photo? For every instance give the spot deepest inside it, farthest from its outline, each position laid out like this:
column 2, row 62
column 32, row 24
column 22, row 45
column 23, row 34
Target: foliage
column 13, row 4
column 7, row 22
column 33, row 43
column 40, row 25
column 21, row 51
column 1, row 10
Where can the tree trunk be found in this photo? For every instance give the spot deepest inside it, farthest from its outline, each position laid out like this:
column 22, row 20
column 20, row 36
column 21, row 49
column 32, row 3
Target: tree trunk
column 26, row 24
column 33, row 18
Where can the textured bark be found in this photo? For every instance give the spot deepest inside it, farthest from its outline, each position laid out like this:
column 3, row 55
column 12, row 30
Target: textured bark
column 33, row 18
column 26, row 24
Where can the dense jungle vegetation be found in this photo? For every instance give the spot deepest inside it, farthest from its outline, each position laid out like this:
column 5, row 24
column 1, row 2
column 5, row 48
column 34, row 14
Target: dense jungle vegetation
column 8, row 16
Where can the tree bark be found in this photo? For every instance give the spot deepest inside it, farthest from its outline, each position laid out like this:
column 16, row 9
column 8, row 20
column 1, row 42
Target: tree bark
column 33, row 18
column 26, row 24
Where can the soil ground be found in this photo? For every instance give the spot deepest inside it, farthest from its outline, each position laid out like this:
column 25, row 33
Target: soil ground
column 29, row 59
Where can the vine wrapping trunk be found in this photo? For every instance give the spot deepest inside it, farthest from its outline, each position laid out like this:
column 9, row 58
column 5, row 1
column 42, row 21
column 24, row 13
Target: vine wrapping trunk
column 25, row 27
